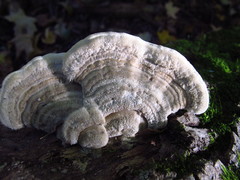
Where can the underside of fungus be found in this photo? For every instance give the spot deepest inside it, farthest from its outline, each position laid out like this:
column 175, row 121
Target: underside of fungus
column 106, row 85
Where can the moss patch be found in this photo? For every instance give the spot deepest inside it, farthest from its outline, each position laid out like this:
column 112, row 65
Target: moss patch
column 216, row 56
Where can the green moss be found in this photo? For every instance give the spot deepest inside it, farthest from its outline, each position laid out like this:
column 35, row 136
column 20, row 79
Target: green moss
column 216, row 56
column 215, row 107
column 230, row 173
column 183, row 165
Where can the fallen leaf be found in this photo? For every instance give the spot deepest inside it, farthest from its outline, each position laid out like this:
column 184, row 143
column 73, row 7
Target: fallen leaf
column 171, row 10
column 49, row 37
column 164, row 37
column 23, row 24
column 24, row 30
column 36, row 49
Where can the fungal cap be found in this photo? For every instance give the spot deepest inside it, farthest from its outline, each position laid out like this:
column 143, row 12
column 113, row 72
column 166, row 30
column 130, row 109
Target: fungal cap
column 128, row 54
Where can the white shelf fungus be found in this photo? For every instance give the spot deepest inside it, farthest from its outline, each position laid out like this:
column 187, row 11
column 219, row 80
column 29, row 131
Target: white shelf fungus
column 106, row 85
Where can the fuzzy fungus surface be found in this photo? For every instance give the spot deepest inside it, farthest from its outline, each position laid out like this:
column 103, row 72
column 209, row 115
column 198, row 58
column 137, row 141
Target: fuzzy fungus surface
column 108, row 84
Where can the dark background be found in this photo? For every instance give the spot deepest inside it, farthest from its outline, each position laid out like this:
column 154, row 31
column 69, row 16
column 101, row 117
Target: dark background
column 54, row 26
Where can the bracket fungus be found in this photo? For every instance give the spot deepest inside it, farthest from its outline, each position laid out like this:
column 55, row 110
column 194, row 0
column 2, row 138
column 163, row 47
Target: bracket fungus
column 106, row 85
